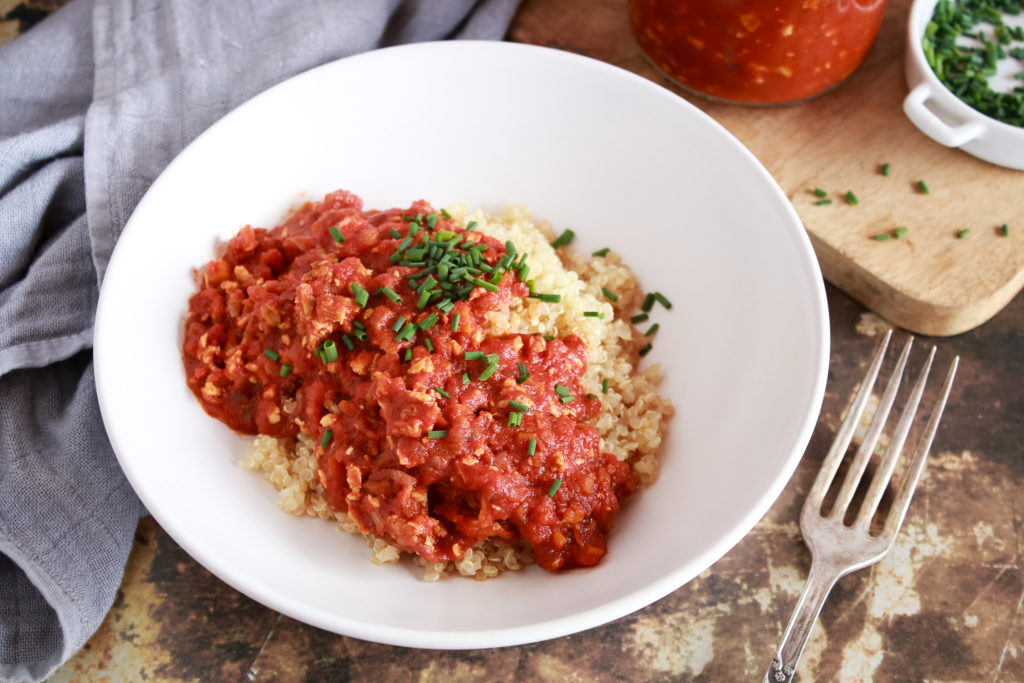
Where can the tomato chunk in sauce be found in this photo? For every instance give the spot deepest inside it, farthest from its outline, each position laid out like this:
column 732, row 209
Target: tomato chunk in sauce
column 430, row 433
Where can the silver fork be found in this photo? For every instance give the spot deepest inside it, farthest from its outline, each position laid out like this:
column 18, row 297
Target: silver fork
column 837, row 548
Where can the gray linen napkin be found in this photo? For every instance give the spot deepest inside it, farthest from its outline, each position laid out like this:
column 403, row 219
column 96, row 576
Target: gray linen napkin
column 94, row 102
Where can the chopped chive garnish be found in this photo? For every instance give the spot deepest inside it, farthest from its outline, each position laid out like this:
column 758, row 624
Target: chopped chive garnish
column 901, row 231
column 407, row 333
column 963, row 233
column 554, row 488
column 638, row 318
column 818, row 192
column 391, row 295
column 482, row 283
column 519, row 406
column 548, row 298
column 851, row 198
column 398, row 324
column 330, row 351
column 923, row 187
column 427, row 284
column 1004, row 230
column 563, row 239
column 431, row 220
column 473, row 355
column 408, row 354
column 488, row 371
column 437, row 434
column 515, row 419
column 531, row 448
column 645, row 350
column 823, row 202
column 442, row 392
column 394, row 234
column 886, row 168
column 562, row 390
column 286, row 370
column 347, row 341
column 272, row 354
column 465, row 378
column 326, row 438
column 548, row 337
column 429, row 344
column 424, row 299
column 651, row 332
column 523, row 374
column 601, row 252
column 429, row 321
column 882, row 236
column 566, row 399
column 591, row 395
column 491, row 358
column 445, row 214
column 336, row 234
column 470, row 225
column 455, row 322
column 648, row 303
column 593, row 314
column 361, row 295
column 604, row 386
column 660, row 298
column 610, row 294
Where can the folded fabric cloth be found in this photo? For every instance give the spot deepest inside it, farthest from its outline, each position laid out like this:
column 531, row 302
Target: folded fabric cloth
column 94, row 102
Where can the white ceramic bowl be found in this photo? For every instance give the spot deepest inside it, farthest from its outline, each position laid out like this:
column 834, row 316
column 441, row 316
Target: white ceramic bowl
column 623, row 162
column 945, row 118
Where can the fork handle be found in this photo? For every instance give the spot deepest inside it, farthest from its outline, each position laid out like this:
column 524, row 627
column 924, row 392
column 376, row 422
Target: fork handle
column 820, row 580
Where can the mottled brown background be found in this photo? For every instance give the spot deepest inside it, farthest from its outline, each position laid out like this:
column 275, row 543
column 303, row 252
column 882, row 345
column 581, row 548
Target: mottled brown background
column 945, row 605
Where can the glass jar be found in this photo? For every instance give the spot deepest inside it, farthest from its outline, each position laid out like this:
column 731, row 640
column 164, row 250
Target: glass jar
column 757, row 52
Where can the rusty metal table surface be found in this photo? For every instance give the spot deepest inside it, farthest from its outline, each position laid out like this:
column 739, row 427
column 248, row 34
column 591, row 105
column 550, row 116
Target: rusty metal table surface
column 947, row 604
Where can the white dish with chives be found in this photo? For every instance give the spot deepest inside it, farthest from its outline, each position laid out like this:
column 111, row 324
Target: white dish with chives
column 620, row 161
column 940, row 113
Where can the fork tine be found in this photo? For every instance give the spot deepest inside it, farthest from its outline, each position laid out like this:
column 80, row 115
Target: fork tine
column 883, row 474
column 917, row 463
column 830, row 465
column 867, row 445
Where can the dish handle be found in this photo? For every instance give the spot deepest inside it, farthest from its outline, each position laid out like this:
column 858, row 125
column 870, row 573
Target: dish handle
column 934, row 127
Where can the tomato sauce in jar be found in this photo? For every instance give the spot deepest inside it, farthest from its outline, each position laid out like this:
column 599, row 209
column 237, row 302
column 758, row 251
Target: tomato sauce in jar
column 757, row 52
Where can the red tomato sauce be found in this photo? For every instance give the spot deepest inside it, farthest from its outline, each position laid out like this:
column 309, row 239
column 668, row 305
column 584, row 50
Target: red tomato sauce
column 414, row 440
column 756, row 51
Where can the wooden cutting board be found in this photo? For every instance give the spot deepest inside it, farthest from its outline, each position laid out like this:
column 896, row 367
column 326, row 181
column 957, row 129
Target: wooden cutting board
column 928, row 281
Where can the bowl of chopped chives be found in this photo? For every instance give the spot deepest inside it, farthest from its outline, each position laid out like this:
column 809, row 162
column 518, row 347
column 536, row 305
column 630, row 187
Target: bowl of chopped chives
column 964, row 67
